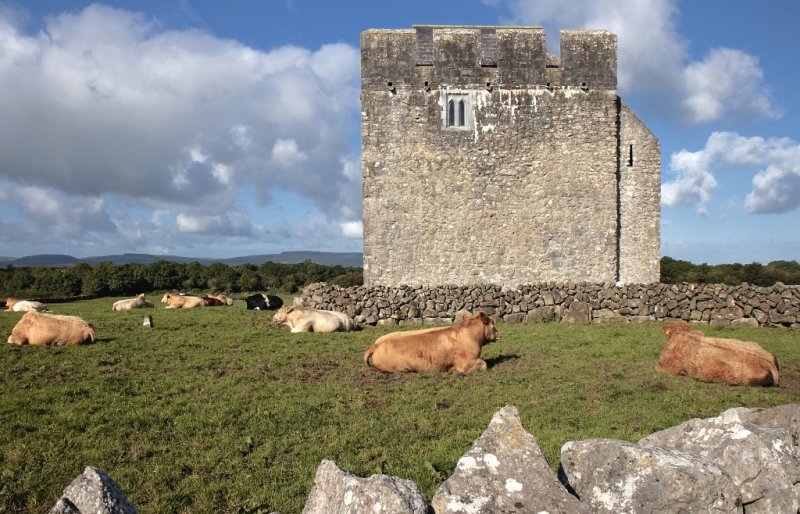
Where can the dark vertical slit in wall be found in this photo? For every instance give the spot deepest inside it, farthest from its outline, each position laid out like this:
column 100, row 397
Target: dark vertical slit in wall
column 618, row 180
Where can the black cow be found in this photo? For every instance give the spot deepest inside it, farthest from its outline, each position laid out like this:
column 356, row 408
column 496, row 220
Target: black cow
column 263, row 302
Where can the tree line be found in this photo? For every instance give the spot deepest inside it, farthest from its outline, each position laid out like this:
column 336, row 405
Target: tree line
column 108, row 279
column 674, row 271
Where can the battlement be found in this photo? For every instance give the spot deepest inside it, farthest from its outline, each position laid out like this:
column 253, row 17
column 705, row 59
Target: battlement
column 430, row 56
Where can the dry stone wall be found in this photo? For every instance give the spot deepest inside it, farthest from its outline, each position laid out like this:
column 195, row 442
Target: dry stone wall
column 571, row 302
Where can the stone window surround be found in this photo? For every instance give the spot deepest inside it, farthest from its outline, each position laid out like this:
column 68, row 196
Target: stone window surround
column 456, row 97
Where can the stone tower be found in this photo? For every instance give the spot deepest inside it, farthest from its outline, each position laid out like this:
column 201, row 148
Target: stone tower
column 486, row 159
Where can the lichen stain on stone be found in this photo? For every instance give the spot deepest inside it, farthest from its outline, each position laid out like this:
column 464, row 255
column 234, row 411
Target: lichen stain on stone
column 512, row 486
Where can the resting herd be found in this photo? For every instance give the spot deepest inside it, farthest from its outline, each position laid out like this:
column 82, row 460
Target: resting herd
column 688, row 352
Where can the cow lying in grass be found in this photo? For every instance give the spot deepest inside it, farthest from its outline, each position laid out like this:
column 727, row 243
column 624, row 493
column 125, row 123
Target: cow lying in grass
column 177, row 301
column 263, row 302
column 15, row 305
column 713, row 359
column 39, row 329
column 222, row 298
column 304, row 319
column 131, row 303
column 212, row 301
column 453, row 348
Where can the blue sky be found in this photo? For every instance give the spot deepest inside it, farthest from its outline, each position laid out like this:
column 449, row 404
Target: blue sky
column 219, row 129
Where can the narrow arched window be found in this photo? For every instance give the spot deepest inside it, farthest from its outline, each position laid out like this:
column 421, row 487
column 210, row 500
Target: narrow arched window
column 451, row 114
column 456, row 113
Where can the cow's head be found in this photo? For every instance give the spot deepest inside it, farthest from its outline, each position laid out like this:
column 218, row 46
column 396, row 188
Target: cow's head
column 490, row 332
column 281, row 314
column 166, row 297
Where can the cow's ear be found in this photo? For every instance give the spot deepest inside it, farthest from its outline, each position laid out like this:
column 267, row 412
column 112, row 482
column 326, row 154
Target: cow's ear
column 483, row 317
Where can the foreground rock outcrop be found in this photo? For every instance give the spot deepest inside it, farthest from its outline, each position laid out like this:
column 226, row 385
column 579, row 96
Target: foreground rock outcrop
column 505, row 471
column 93, row 492
column 743, row 461
column 338, row 492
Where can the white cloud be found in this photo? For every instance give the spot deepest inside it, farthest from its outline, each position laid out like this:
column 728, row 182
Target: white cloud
column 354, row 229
column 776, row 188
column 51, row 214
column 103, row 104
column 187, row 223
column 653, row 60
column 726, row 79
column 286, row 154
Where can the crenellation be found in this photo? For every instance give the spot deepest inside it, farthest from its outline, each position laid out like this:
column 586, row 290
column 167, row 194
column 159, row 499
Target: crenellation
column 589, row 59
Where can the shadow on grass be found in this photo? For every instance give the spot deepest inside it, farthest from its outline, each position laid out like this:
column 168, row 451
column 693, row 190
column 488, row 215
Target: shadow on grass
column 500, row 359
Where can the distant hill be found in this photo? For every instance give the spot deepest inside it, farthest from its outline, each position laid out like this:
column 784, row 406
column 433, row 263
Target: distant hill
column 45, row 259
column 350, row 259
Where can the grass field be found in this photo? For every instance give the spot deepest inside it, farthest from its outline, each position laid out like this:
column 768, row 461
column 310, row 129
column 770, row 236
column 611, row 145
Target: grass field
column 213, row 411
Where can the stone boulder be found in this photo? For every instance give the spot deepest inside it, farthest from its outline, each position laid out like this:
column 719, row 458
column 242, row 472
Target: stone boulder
column 578, row 312
column 541, row 315
column 504, row 471
column 751, row 454
column 336, row 491
column 93, row 492
column 618, row 476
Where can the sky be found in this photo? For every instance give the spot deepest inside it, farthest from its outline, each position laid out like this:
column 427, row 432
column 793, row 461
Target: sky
column 219, row 129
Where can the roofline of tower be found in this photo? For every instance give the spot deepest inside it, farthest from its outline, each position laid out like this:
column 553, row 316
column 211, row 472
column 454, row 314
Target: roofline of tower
column 516, row 27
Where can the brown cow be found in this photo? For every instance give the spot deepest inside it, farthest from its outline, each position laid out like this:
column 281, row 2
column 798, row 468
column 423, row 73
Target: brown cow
column 212, row 301
column 39, row 329
column 453, row 348
column 713, row 359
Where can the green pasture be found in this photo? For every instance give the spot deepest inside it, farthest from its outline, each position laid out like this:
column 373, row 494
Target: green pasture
column 215, row 410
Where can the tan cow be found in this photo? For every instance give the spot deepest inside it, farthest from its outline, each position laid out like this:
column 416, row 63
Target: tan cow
column 713, row 359
column 131, row 303
column 177, row 301
column 452, row 348
column 304, row 319
column 16, row 305
column 40, row 329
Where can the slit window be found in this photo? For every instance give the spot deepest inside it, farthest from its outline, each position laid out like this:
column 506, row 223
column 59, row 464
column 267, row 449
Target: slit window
column 451, row 113
column 462, row 118
column 630, row 155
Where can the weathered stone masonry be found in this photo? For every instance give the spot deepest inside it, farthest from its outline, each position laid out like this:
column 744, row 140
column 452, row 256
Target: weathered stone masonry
column 711, row 303
column 545, row 175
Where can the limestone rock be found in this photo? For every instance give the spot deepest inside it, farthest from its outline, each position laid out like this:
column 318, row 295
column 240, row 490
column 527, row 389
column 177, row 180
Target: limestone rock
column 578, row 312
column 504, row 471
column 619, row 476
column 93, row 492
column 541, row 315
column 461, row 315
column 747, row 456
column 336, row 491
column 779, row 428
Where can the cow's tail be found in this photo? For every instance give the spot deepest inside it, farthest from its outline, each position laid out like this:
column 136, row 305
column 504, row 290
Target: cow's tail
column 368, row 356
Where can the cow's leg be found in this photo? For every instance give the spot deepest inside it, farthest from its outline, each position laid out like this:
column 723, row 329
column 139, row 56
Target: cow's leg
column 468, row 365
column 305, row 326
